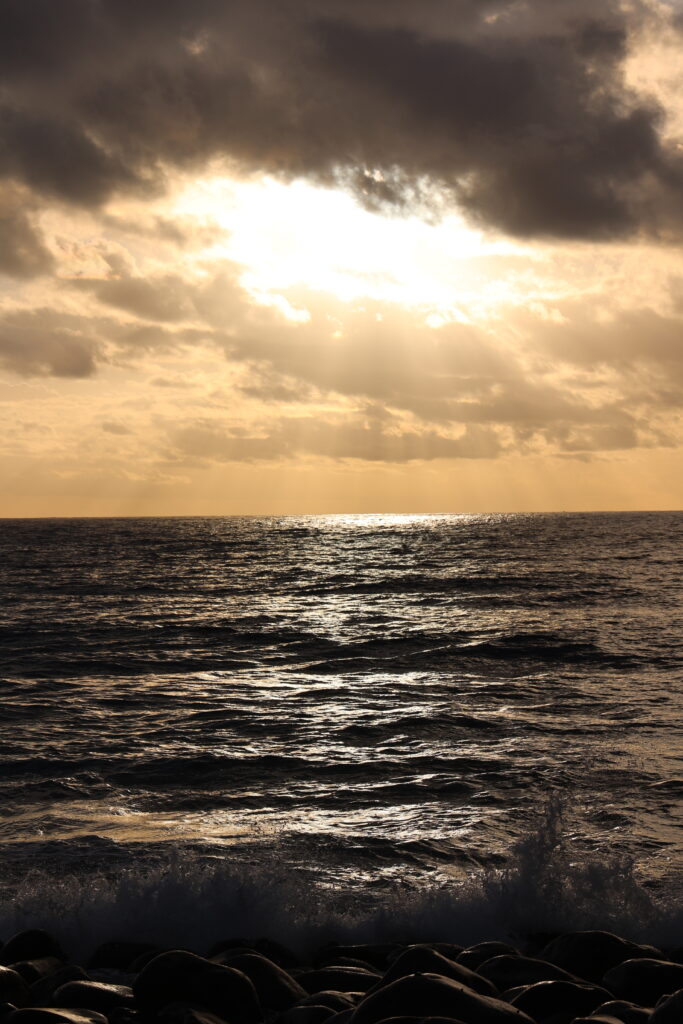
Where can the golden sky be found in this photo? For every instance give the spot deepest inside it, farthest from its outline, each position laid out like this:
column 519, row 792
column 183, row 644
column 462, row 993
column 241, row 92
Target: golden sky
column 345, row 257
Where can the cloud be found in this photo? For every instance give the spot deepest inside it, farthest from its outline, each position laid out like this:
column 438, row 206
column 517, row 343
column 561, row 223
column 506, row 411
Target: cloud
column 23, row 253
column 42, row 343
column 519, row 112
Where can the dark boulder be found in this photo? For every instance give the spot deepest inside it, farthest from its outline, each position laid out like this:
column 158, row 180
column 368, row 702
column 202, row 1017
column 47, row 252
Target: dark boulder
column 423, row 960
column 311, row 1014
column 378, row 954
column 343, row 979
column 13, row 988
column 49, row 1015
column 590, row 954
column 560, row 1000
column 281, row 955
column 627, row 1013
column 33, row 970
column 336, row 1001
column 474, row 956
column 41, row 992
column 669, row 1010
column 184, row 1013
column 94, row 995
column 120, row 954
column 507, row 971
column 30, row 945
column 276, row 989
column 179, row 976
column 644, row 981
column 125, row 1015
column 429, row 995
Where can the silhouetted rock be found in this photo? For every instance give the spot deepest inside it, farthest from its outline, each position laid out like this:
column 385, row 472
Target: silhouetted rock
column 624, row 1011
column 590, row 954
column 184, row 1013
column 6, row 1009
column 644, row 981
column 424, row 960
column 125, row 1015
column 431, row 995
column 379, row 954
column 179, row 976
column 120, row 954
column 669, row 1010
column 312, row 1014
column 343, row 979
column 41, row 992
column 474, row 956
column 30, row 945
column 507, row 971
column 135, row 966
column 276, row 989
column 94, row 995
column 281, row 955
column 13, row 988
column 49, row 1015
column 560, row 1000
column 336, row 1001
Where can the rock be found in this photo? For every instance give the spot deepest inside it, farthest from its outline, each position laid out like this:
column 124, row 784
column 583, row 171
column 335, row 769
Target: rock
column 125, row 1015
column 312, row 1014
column 30, row 945
column 49, row 1015
column 143, row 959
column 342, row 979
column 277, row 953
column 559, row 1000
column 626, row 1012
column 6, row 1009
column 341, row 1018
column 336, row 1001
column 223, row 945
column 13, row 988
column 41, row 992
column 474, row 956
column 669, row 1010
column 179, row 976
column 589, row 955
column 120, row 954
column 507, row 971
column 344, row 961
column 378, row 954
column 431, row 995
column 184, row 1013
column 33, row 970
column 276, row 989
column 94, row 996
column 423, row 960
column 596, row 1018
column 644, row 981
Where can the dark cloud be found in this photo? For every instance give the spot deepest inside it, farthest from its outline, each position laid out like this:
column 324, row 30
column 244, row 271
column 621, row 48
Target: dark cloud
column 519, row 112
column 23, row 253
column 42, row 343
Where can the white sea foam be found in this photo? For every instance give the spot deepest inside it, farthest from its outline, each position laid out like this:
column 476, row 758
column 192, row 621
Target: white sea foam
column 190, row 902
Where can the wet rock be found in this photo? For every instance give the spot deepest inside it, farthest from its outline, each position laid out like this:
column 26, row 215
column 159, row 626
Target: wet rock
column 590, row 954
column 185, row 1013
column 344, row 961
column 33, row 970
column 49, row 1015
column 125, row 1015
column 94, row 995
column 143, row 959
column 626, row 1012
column 596, row 1018
column 13, row 988
column 424, row 960
column 474, row 956
column 313, row 1014
column 343, row 979
column 343, row 1017
column 378, row 954
column 644, row 981
column 431, row 995
column 507, row 971
column 276, row 989
column 179, row 976
column 41, row 992
column 30, row 945
column 560, row 1000
column 223, row 945
column 336, row 1001
column 281, row 955
column 120, row 954
column 669, row 1010
column 6, row 1009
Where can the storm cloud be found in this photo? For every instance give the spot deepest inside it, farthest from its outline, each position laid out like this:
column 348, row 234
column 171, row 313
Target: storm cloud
column 519, row 114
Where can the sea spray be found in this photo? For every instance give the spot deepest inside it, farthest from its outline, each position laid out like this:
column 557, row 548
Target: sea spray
column 546, row 887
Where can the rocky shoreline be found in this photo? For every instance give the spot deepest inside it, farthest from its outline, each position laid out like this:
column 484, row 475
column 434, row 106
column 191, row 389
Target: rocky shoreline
column 591, row 977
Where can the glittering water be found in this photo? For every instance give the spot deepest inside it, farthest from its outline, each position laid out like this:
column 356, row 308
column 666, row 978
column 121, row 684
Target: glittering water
column 372, row 696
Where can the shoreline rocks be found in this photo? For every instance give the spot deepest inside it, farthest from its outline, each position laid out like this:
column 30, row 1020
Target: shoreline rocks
column 577, row 978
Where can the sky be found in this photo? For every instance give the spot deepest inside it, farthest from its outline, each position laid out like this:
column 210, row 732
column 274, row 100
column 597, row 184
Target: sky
column 295, row 256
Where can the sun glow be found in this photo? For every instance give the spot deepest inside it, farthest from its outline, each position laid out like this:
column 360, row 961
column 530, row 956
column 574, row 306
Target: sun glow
column 292, row 235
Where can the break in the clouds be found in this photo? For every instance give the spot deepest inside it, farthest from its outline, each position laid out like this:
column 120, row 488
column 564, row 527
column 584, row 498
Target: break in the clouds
column 520, row 112
column 366, row 240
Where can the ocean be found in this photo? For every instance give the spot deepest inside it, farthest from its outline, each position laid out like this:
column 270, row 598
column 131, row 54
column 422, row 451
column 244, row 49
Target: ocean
column 448, row 723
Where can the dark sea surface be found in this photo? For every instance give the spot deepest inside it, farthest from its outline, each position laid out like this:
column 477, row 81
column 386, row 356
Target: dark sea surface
column 359, row 702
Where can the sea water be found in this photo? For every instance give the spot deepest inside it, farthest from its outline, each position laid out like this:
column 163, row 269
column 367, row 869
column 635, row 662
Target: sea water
column 443, row 722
